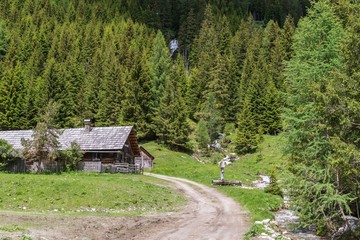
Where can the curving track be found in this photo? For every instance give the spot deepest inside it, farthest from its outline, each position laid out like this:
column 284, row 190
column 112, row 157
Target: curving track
column 209, row 215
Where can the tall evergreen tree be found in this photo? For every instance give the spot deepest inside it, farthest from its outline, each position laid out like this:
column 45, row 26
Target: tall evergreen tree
column 202, row 135
column 247, row 133
column 187, row 32
column 11, row 87
column 44, row 147
column 287, row 36
column 3, row 39
column 205, row 53
column 313, row 143
column 172, row 116
column 159, row 63
column 111, row 85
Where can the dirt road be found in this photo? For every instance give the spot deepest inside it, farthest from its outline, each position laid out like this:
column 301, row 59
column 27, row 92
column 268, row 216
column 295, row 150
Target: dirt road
column 209, row 215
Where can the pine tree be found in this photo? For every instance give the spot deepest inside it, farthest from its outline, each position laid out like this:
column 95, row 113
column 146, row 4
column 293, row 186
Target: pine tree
column 111, row 85
column 225, row 88
column 287, row 36
column 224, row 38
column 247, row 133
column 137, row 99
column 3, row 40
column 159, row 63
column 44, row 146
column 249, row 66
column 187, row 32
column 212, row 116
column 202, row 135
column 204, row 58
column 11, row 86
column 172, row 116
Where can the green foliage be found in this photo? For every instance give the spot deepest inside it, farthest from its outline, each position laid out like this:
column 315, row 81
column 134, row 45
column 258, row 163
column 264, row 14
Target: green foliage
column 211, row 116
column 7, row 153
column 273, row 187
column 202, row 135
column 255, row 230
column 11, row 228
column 160, row 63
column 172, row 117
column 3, row 39
column 247, row 134
column 72, row 156
column 321, row 142
column 44, row 146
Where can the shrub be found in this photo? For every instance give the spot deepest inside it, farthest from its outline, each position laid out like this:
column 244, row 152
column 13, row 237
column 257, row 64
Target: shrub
column 273, row 187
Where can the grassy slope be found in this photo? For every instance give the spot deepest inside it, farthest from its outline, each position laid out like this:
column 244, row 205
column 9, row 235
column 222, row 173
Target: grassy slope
column 246, row 170
column 82, row 192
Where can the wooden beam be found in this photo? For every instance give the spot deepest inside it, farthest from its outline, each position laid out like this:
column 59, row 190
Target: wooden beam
column 226, row 182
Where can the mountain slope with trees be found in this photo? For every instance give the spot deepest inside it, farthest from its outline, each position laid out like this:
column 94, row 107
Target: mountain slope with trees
column 261, row 67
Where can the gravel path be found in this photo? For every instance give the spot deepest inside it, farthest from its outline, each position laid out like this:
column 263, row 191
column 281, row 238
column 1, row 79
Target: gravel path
column 209, row 215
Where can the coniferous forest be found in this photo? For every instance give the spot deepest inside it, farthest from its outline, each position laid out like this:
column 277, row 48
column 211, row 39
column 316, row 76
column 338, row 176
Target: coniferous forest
column 260, row 67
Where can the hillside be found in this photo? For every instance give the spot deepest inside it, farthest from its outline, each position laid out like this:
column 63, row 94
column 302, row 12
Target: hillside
column 246, row 170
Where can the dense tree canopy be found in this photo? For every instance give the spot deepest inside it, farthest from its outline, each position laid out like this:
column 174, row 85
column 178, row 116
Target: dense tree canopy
column 322, row 119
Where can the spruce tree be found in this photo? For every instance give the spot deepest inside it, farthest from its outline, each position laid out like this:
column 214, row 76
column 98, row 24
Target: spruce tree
column 247, row 133
column 159, row 63
column 11, row 87
column 202, row 135
column 204, row 58
column 172, row 115
column 212, row 116
column 111, row 85
column 187, row 33
column 3, row 40
column 287, row 36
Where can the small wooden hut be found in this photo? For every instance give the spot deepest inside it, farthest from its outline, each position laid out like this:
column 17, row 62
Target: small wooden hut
column 110, row 149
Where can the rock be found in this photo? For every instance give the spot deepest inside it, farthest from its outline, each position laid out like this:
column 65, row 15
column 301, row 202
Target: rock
column 350, row 224
column 266, row 221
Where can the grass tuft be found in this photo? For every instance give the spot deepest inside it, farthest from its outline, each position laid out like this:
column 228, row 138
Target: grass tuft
column 11, row 228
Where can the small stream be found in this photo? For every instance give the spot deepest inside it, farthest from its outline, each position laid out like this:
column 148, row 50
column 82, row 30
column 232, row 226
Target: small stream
column 285, row 219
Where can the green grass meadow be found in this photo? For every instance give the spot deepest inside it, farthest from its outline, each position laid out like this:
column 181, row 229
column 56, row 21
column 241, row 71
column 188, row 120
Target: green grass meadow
column 268, row 159
column 122, row 194
column 83, row 193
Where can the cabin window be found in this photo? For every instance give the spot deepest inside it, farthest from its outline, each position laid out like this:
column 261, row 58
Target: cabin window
column 97, row 156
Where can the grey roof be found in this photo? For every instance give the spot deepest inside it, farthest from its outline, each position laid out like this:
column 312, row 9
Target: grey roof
column 99, row 138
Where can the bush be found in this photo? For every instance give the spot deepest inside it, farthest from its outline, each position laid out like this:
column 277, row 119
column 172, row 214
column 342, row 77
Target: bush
column 255, row 230
column 273, row 187
column 72, row 156
column 7, row 153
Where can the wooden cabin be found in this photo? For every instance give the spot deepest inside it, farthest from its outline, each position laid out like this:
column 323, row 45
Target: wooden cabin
column 110, row 149
column 145, row 160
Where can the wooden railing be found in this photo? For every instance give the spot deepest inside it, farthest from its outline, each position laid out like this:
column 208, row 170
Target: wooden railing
column 127, row 168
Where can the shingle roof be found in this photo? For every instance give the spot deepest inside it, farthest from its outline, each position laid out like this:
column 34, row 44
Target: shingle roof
column 99, row 138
